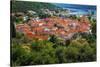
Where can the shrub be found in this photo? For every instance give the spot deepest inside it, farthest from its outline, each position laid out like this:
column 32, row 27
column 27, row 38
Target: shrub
column 71, row 54
column 87, row 54
column 60, row 54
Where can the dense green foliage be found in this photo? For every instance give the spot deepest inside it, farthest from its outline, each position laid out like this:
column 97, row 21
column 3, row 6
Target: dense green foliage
column 24, row 6
column 33, row 52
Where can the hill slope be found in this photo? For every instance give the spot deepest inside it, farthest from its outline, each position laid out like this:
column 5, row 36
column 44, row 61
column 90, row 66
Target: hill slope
column 23, row 6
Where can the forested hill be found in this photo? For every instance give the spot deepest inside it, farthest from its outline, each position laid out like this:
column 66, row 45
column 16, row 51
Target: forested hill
column 23, row 6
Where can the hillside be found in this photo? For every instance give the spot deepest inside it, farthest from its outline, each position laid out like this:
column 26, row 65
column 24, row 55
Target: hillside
column 23, row 6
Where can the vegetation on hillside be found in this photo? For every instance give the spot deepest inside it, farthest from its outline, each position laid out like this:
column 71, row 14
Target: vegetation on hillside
column 34, row 52
column 23, row 6
column 24, row 51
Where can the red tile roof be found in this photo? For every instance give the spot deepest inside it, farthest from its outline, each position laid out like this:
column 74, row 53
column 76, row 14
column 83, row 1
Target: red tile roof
column 69, row 26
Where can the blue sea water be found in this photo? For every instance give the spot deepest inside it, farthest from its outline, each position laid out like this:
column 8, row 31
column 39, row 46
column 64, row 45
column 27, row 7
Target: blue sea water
column 78, row 9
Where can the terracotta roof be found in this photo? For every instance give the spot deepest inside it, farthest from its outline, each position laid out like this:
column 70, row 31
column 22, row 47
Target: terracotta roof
column 38, row 27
